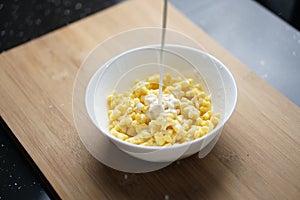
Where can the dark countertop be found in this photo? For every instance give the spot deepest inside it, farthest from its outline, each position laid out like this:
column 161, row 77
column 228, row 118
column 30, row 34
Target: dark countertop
column 22, row 21
column 19, row 176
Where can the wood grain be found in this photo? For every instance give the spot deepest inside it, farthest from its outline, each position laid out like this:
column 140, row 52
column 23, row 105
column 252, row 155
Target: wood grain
column 257, row 156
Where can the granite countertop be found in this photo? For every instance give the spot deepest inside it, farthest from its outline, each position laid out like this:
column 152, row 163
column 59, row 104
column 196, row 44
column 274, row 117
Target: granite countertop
column 22, row 21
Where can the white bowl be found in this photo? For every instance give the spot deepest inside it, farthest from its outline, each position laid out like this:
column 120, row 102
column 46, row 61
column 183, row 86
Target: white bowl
column 120, row 73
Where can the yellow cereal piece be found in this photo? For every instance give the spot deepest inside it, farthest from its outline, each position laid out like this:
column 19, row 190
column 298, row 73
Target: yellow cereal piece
column 205, row 129
column 179, row 119
column 192, row 93
column 206, row 103
column 149, row 142
column 141, row 118
column 168, row 138
column 159, row 139
column 198, row 133
column 125, row 120
column 153, row 86
column 199, row 122
column 193, row 113
column 210, row 126
column 207, row 115
column 114, row 115
column 176, row 126
column 118, row 134
column 135, row 140
column 187, row 123
column 144, row 134
column 215, row 119
column 131, row 131
column 198, row 86
column 204, row 123
column 203, row 109
column 141, row 127
column 185, row 84
column 153, row 79
column 167, row 79
column 144, row 109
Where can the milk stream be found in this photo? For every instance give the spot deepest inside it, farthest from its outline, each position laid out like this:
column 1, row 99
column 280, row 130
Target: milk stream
column 163, row 36
column 155, row 110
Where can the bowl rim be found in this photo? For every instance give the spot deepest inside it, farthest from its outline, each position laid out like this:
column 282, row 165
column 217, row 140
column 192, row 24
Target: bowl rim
column 189, row 143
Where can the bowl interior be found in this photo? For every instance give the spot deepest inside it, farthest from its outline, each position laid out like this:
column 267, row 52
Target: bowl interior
column 121, row 72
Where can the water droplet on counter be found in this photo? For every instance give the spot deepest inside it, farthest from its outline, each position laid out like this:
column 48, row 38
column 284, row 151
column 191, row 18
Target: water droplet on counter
column 47, row 12
column 2, row 145
column 294, row 37
column 87, row 10
column 29, row 21
column 15, row 8
column 265, row 76
column 48, row 49
column 78, row 6
column 19, row 187
column 67, row 12
column 262, row 62
column 33, row 182
column 39, row 7
column 166, row 197
column 38, row 21
column 10, row 176
column 60, row 75
column 11, row 32
column 287, row 28
column 20, row 34
column 56, row 3
column 16, row 184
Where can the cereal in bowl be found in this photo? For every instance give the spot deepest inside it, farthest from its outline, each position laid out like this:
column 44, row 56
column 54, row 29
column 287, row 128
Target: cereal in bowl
column 186, row 112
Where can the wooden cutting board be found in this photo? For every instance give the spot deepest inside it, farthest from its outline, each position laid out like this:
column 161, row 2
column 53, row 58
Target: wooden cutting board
column 257, row 156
